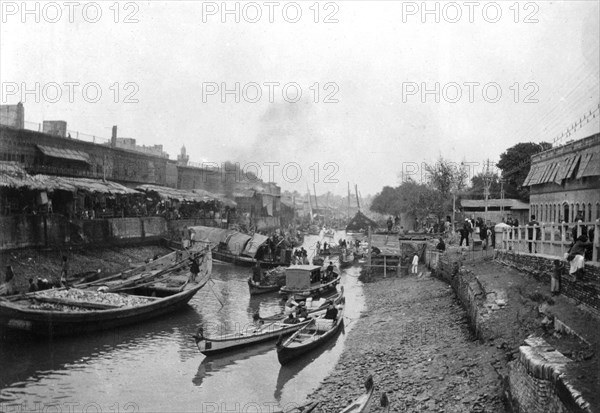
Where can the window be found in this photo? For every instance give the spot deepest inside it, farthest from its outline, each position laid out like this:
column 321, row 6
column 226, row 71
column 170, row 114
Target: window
column 589, row 212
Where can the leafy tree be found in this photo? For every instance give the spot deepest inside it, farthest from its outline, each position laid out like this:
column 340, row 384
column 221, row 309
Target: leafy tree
column 515, row 163
column 476, row 191
column 446, row 176
column 388, row 201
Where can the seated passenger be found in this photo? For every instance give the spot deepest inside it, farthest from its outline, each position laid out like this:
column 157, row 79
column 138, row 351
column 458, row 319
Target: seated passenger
column 291, row 319
column 331, row 313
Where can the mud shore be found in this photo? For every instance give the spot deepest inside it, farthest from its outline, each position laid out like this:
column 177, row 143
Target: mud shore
column 414, row 339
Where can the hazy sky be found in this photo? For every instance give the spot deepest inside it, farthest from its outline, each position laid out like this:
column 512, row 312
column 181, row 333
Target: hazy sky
column 361, row 118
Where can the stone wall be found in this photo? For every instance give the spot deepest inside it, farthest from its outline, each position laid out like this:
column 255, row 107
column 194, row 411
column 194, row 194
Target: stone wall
column 30, row 231
column 538, row 384
column 535, row 383
column 585, row 291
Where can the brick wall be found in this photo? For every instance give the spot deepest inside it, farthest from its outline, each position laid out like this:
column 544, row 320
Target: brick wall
column 530, row 394
column 585, row 291
column 534, row 383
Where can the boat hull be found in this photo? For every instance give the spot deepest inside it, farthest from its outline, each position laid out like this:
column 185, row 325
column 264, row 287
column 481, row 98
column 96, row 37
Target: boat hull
column 56, row 323
column 320, row 289
column 256, row 289
column 208, row 346
column 242, row 261
column 287, row 354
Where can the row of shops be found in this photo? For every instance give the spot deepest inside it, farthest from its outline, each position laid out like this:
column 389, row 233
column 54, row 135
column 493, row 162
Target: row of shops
column 85, row 198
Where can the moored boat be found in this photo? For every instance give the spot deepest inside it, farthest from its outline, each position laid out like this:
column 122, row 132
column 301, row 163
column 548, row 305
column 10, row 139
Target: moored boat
column 310, row 336
column 363, row 403
column 249, row 335
column 305, row 280
column 328, row 233
column 99, row 306
column 313, row 304
column 271, row 281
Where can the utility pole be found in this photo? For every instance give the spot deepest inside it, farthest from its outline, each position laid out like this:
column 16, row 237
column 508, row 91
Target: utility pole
column 487, row 182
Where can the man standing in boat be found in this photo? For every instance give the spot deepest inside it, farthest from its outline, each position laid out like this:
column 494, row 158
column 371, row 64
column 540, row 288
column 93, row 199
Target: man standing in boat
column 257, row 273
column 194, row 268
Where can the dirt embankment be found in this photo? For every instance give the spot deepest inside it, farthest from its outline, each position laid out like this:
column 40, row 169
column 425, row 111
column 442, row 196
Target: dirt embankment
column 47, row 264
column 415, row 341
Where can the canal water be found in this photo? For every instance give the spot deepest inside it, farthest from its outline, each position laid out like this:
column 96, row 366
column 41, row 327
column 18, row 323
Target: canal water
column 155, row 366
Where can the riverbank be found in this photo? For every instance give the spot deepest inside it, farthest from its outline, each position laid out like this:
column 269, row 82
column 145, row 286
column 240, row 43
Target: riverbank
column 414, row 338
column 31, row 263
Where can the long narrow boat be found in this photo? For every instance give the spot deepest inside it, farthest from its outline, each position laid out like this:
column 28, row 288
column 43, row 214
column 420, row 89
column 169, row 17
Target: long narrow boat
column 312, row 335
column 248, row 336
column 75, row 311
column 363, row 403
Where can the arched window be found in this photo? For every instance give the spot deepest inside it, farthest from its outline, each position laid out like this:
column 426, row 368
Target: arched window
column 589, row 212
column 566, row 214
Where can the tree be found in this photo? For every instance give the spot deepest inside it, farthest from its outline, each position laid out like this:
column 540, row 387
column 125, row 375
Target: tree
column 446, row 176
column 387, row 202
column 478, row 184
column 515, row 164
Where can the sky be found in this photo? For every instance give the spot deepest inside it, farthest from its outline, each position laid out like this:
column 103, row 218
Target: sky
column 329, row 93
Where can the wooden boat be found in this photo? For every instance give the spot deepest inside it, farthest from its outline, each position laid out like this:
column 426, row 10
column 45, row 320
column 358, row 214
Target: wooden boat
column 273, row 280
column 249, row 335
column 328, row 233
column 312, row 335
column 362, row 403
column 313, row 304
column 88, row 308
column 305, row 280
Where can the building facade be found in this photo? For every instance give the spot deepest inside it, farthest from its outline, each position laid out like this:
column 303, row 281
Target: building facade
column 565, row 182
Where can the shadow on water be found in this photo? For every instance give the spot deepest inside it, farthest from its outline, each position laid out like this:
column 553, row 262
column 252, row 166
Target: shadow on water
column 290, row 370
column 143, row 362
column 26, row 358
column 213, row 364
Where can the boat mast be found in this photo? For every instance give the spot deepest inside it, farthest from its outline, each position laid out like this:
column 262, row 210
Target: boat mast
column 348, row 199
column 357, row 201
column 310, row 211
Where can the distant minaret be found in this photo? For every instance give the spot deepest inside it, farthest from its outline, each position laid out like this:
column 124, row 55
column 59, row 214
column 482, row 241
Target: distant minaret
column 113, row 137
column 183, row 158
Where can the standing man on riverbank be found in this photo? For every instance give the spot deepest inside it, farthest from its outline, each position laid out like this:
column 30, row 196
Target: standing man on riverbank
column 64, row 270
column 415, row 264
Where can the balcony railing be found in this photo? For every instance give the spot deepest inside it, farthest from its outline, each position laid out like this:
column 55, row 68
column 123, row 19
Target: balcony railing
column 552, row 239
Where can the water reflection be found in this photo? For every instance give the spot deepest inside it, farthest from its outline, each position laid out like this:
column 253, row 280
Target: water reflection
column 142, row 363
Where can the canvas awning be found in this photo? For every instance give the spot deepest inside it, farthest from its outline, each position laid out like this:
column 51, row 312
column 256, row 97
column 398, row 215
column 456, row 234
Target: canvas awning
column 69, row 154
column 237, row 242
column 562, row 168
column 194, row 195
column 14, row 176
column 213, row 235
column 254, row 244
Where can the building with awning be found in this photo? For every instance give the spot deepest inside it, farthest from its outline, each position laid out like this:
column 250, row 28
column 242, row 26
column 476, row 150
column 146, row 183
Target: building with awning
column 22, row 192
column 497, row 209
column 184, row 195
column 564, row 182
column 64, row 154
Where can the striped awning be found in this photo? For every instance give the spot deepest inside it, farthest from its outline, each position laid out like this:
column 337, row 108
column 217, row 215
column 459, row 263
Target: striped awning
column 572, row 166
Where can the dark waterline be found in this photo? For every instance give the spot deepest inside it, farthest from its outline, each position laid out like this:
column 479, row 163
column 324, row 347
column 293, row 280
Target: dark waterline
column 155, row 366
